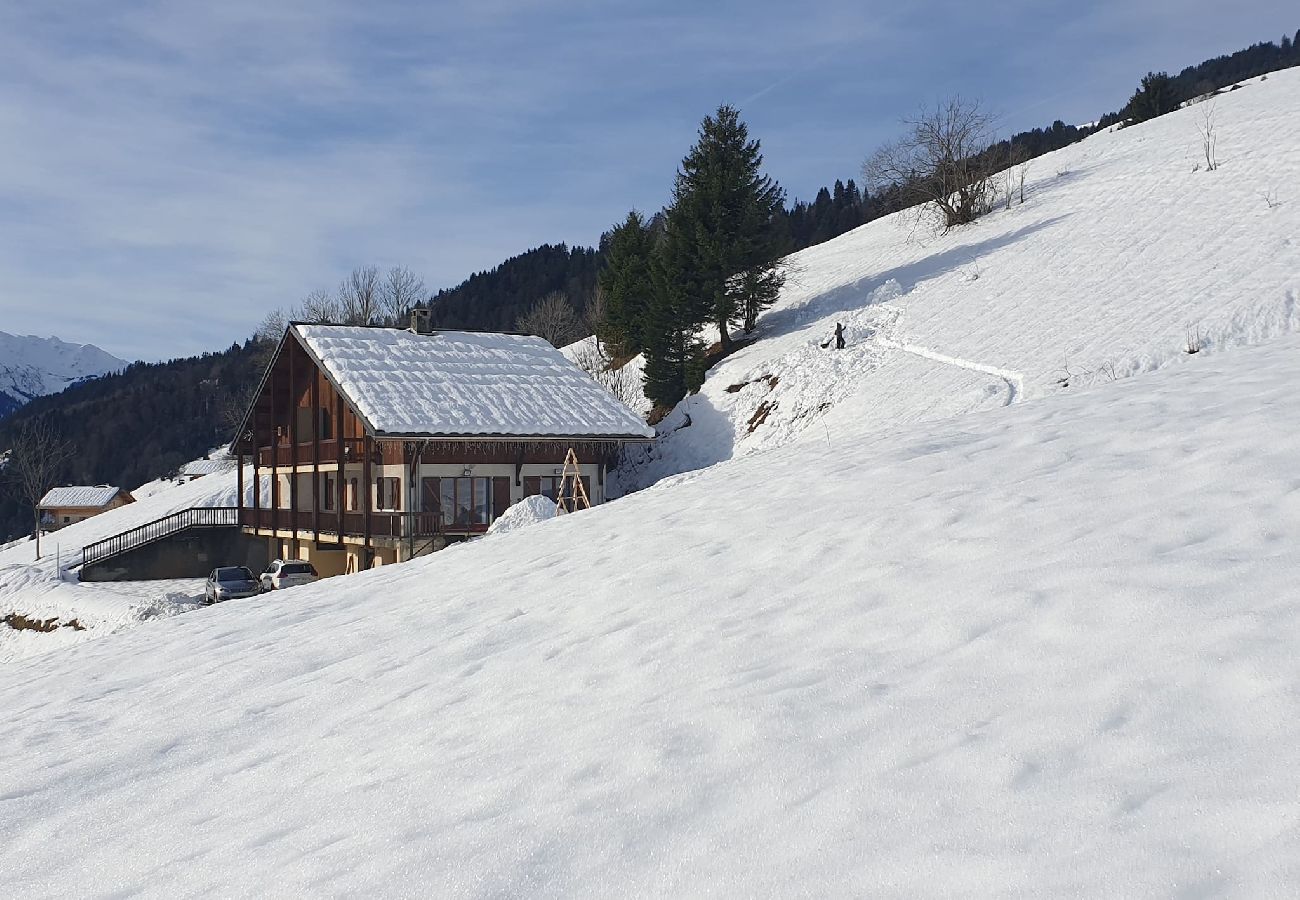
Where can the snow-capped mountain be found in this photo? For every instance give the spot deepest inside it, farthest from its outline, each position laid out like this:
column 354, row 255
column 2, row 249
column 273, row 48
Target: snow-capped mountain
column 32, row 366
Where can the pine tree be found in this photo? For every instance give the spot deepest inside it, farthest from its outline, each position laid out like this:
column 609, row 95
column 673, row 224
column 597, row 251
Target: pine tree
column 721, row 221
column 674, row 358
column 1155, row 97
column 628, row 284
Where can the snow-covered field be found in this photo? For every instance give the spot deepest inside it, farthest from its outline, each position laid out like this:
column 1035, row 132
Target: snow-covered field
column 1050, row 651
column 1119, row 250
column 1045, row 648
column 42, row 590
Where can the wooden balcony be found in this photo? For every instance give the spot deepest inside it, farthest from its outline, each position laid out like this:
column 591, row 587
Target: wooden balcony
column 304, row 453
column 382, row 524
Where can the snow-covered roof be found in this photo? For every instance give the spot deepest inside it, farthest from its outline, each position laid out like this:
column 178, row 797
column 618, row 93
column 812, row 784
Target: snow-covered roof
column 205, row 466
column 87, row 495
column 466, row 383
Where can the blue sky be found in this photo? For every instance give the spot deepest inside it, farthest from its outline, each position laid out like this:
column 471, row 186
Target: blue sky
column 169, row 171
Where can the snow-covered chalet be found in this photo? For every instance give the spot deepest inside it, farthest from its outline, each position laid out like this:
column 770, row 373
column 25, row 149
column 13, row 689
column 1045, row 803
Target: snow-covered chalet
column 75, row 503
column 379, row 444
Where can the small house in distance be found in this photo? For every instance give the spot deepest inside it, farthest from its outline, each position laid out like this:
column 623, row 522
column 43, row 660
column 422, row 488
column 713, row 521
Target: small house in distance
column 380, row 444
column 196, row 469
column 75, row 503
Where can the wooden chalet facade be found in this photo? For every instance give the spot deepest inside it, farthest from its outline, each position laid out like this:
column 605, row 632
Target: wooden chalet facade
column 374, row 445
column 76, row 503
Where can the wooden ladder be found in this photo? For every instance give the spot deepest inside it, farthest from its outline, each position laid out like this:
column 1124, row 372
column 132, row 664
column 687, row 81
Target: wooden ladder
column 572, row 494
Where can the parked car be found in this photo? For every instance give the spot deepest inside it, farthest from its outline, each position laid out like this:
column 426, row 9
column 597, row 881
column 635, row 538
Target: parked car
column 283, row 573
column 231, row 583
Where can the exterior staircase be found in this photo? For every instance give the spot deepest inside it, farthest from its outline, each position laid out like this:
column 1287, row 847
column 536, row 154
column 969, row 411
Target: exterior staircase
column 157, row 530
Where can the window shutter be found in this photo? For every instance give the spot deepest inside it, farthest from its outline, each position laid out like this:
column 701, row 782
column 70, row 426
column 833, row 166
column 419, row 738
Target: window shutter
column 500, row 496
column 532, row 485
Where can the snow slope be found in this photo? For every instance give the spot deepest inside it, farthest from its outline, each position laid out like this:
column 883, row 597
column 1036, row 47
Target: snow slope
column 1048, row 651
column 1120, row 249
column 42, row 590
column 32, row 366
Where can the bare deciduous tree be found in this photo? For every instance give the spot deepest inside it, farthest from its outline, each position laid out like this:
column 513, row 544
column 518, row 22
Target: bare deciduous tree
column 401, row 290
column 272, row 327
column 319, row 307
column 35, row 461
column 940, row 162
column 624, row 382
column 1017, row 161
column 553, row 319
column 1208, row 138
column 594, row 318
column 359, row 296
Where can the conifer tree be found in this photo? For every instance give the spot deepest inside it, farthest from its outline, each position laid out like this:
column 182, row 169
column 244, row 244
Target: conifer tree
column 721, row 221
column 628, row 284
column 1156, row 96
column 674, row 358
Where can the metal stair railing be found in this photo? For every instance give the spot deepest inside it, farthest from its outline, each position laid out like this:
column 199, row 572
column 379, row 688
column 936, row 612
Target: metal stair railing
column 194, row 517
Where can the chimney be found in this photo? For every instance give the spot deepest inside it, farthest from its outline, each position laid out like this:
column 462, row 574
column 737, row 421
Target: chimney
column 421, row 321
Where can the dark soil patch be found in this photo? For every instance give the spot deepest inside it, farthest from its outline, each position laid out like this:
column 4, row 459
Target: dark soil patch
column 714, row 354
column 760, row 415
column 772, row 381
column 657, row 414
column 20, row 622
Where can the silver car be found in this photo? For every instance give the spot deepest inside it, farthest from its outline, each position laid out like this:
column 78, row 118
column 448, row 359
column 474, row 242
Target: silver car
column 231, row 583
column 283, row 573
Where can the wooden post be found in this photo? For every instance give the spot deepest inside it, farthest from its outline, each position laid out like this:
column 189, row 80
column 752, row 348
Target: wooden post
column 292, row 347
column 257, row 481
column 239, row 479
column 369, row 501
column 315, row 454
column 275, row 456
column 340, row 451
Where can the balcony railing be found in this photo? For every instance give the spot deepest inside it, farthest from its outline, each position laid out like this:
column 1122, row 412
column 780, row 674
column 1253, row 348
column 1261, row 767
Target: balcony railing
column 382, row 524
column 304, row 453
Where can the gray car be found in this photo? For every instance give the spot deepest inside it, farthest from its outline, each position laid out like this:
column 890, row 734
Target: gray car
column 231, row 583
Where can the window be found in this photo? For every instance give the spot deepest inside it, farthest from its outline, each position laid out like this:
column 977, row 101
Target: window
column 462, row 502
column 553, row 487
column 327, row 490
column 354, row 495
column 388, row 493
column 67, row 519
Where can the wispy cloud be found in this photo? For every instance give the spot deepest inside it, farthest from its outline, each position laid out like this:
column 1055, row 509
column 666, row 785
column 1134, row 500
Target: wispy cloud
column 169, row 170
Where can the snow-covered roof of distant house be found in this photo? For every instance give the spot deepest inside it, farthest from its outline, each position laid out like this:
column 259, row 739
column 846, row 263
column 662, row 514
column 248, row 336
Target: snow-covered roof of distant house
column 458, row 383
column 205, row 466
column 85, row 495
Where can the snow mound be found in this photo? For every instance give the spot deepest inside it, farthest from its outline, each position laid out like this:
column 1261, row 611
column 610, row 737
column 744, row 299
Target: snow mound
column 528, row 511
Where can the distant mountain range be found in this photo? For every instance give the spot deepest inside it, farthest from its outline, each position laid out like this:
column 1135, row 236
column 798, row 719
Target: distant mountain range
column 33, row 366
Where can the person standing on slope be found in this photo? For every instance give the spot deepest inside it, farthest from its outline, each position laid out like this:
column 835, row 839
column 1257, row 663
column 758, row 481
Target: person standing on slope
column 839, row 338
